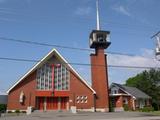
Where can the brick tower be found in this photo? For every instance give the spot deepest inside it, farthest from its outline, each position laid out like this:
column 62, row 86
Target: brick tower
column 99, row 73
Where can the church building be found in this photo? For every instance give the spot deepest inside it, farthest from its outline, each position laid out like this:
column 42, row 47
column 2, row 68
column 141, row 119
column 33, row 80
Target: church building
column 53, row 84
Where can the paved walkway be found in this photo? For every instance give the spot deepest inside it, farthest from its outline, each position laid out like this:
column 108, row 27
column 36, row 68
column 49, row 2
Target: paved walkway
column 84, row 116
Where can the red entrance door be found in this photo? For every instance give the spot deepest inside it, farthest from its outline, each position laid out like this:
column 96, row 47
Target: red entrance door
column 64, row 101
column 52, row 103
column 41, row 103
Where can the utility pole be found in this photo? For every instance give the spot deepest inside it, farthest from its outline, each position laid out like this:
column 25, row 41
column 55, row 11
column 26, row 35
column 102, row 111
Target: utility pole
column 157, row 49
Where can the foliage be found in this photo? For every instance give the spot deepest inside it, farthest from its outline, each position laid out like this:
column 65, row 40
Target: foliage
column 147, row 109
column 10, row 112
column 148, row 82
column 111, row 107
column 17, row 111
column 3, row 107
column 126, row 107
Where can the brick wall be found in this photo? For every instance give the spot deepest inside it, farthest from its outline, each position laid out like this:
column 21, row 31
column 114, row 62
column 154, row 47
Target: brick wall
column 78, row 88
column 28, row 87
column 100, row 78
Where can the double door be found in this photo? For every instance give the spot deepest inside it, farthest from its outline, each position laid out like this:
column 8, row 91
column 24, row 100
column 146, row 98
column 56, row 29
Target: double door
column 52, row 103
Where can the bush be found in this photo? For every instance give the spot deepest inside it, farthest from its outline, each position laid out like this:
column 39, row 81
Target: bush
column 3, row 107
column 111, row 107
column 9, row 111
column 126, row 108
column 147, row 109
column 17, row 111
column 155, row 106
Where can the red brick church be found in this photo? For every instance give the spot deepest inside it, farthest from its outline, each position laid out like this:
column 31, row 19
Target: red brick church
column 53, row 84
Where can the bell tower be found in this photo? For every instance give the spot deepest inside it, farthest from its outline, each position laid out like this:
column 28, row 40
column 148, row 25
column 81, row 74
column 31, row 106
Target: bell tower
column 99, row 40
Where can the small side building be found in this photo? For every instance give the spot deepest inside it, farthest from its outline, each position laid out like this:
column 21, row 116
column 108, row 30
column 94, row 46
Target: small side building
column 3, row 98
column 133, row 98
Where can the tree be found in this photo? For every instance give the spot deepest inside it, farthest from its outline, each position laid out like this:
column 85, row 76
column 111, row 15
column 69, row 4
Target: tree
column 148, row 82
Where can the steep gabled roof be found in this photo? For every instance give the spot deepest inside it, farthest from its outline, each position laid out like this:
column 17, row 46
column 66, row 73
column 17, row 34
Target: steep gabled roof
column 132, row 91
column 43, row 60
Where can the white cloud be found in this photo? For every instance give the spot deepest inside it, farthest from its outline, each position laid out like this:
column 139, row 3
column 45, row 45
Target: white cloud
column 147, row 52
column 122, row 60
column 121, row 9
column 121, row 74
column 83, row 11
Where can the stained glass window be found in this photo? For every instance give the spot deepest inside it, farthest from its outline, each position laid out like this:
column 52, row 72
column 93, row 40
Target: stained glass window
column 45, row 80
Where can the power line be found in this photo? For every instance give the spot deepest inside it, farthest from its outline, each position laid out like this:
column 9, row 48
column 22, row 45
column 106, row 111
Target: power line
column 42, row 44
column 18, row 59
column 80, row 64
column 64, row 47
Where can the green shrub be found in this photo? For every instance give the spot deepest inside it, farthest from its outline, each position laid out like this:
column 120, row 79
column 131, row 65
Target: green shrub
column 3, row 107
column 111, row 107
column 17, row 111
column 147, row 109
column 9, row 111
column 155, row 106
column 126, row 108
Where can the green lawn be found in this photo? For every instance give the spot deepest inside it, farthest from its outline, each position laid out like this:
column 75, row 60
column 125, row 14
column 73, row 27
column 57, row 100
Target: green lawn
column 156, row 113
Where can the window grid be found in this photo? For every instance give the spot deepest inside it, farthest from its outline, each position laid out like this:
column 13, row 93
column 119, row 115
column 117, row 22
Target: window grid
column 61, row 78
column 82, row 99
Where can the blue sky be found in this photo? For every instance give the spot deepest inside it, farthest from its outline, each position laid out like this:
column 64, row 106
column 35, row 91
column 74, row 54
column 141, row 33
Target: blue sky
column 69, row 23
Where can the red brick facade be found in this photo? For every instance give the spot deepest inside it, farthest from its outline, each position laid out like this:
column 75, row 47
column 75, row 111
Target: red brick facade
column 100, row 79
column 28, row 86
column 78, row 88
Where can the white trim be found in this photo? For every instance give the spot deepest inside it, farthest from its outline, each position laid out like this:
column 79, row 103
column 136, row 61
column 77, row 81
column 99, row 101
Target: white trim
column 86, row 110
column 120, row 94
column 102, row 109
column 43, row 60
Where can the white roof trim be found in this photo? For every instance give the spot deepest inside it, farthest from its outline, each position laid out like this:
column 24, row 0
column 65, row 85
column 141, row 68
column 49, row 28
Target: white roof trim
column 42, row 60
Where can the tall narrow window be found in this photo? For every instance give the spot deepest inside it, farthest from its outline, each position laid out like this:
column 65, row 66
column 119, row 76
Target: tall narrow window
column 44, row 78
column 61, row 78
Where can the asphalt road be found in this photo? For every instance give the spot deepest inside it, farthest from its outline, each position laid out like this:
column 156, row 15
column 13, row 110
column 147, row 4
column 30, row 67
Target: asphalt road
column 84, row 116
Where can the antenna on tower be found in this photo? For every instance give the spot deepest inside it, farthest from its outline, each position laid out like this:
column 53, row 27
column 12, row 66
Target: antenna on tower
column 98, row 18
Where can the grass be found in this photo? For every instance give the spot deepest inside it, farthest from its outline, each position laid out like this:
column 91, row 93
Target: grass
column 155, row 112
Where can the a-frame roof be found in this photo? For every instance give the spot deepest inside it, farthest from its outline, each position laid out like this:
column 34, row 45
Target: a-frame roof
column 43, row 60
column 133, row 91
